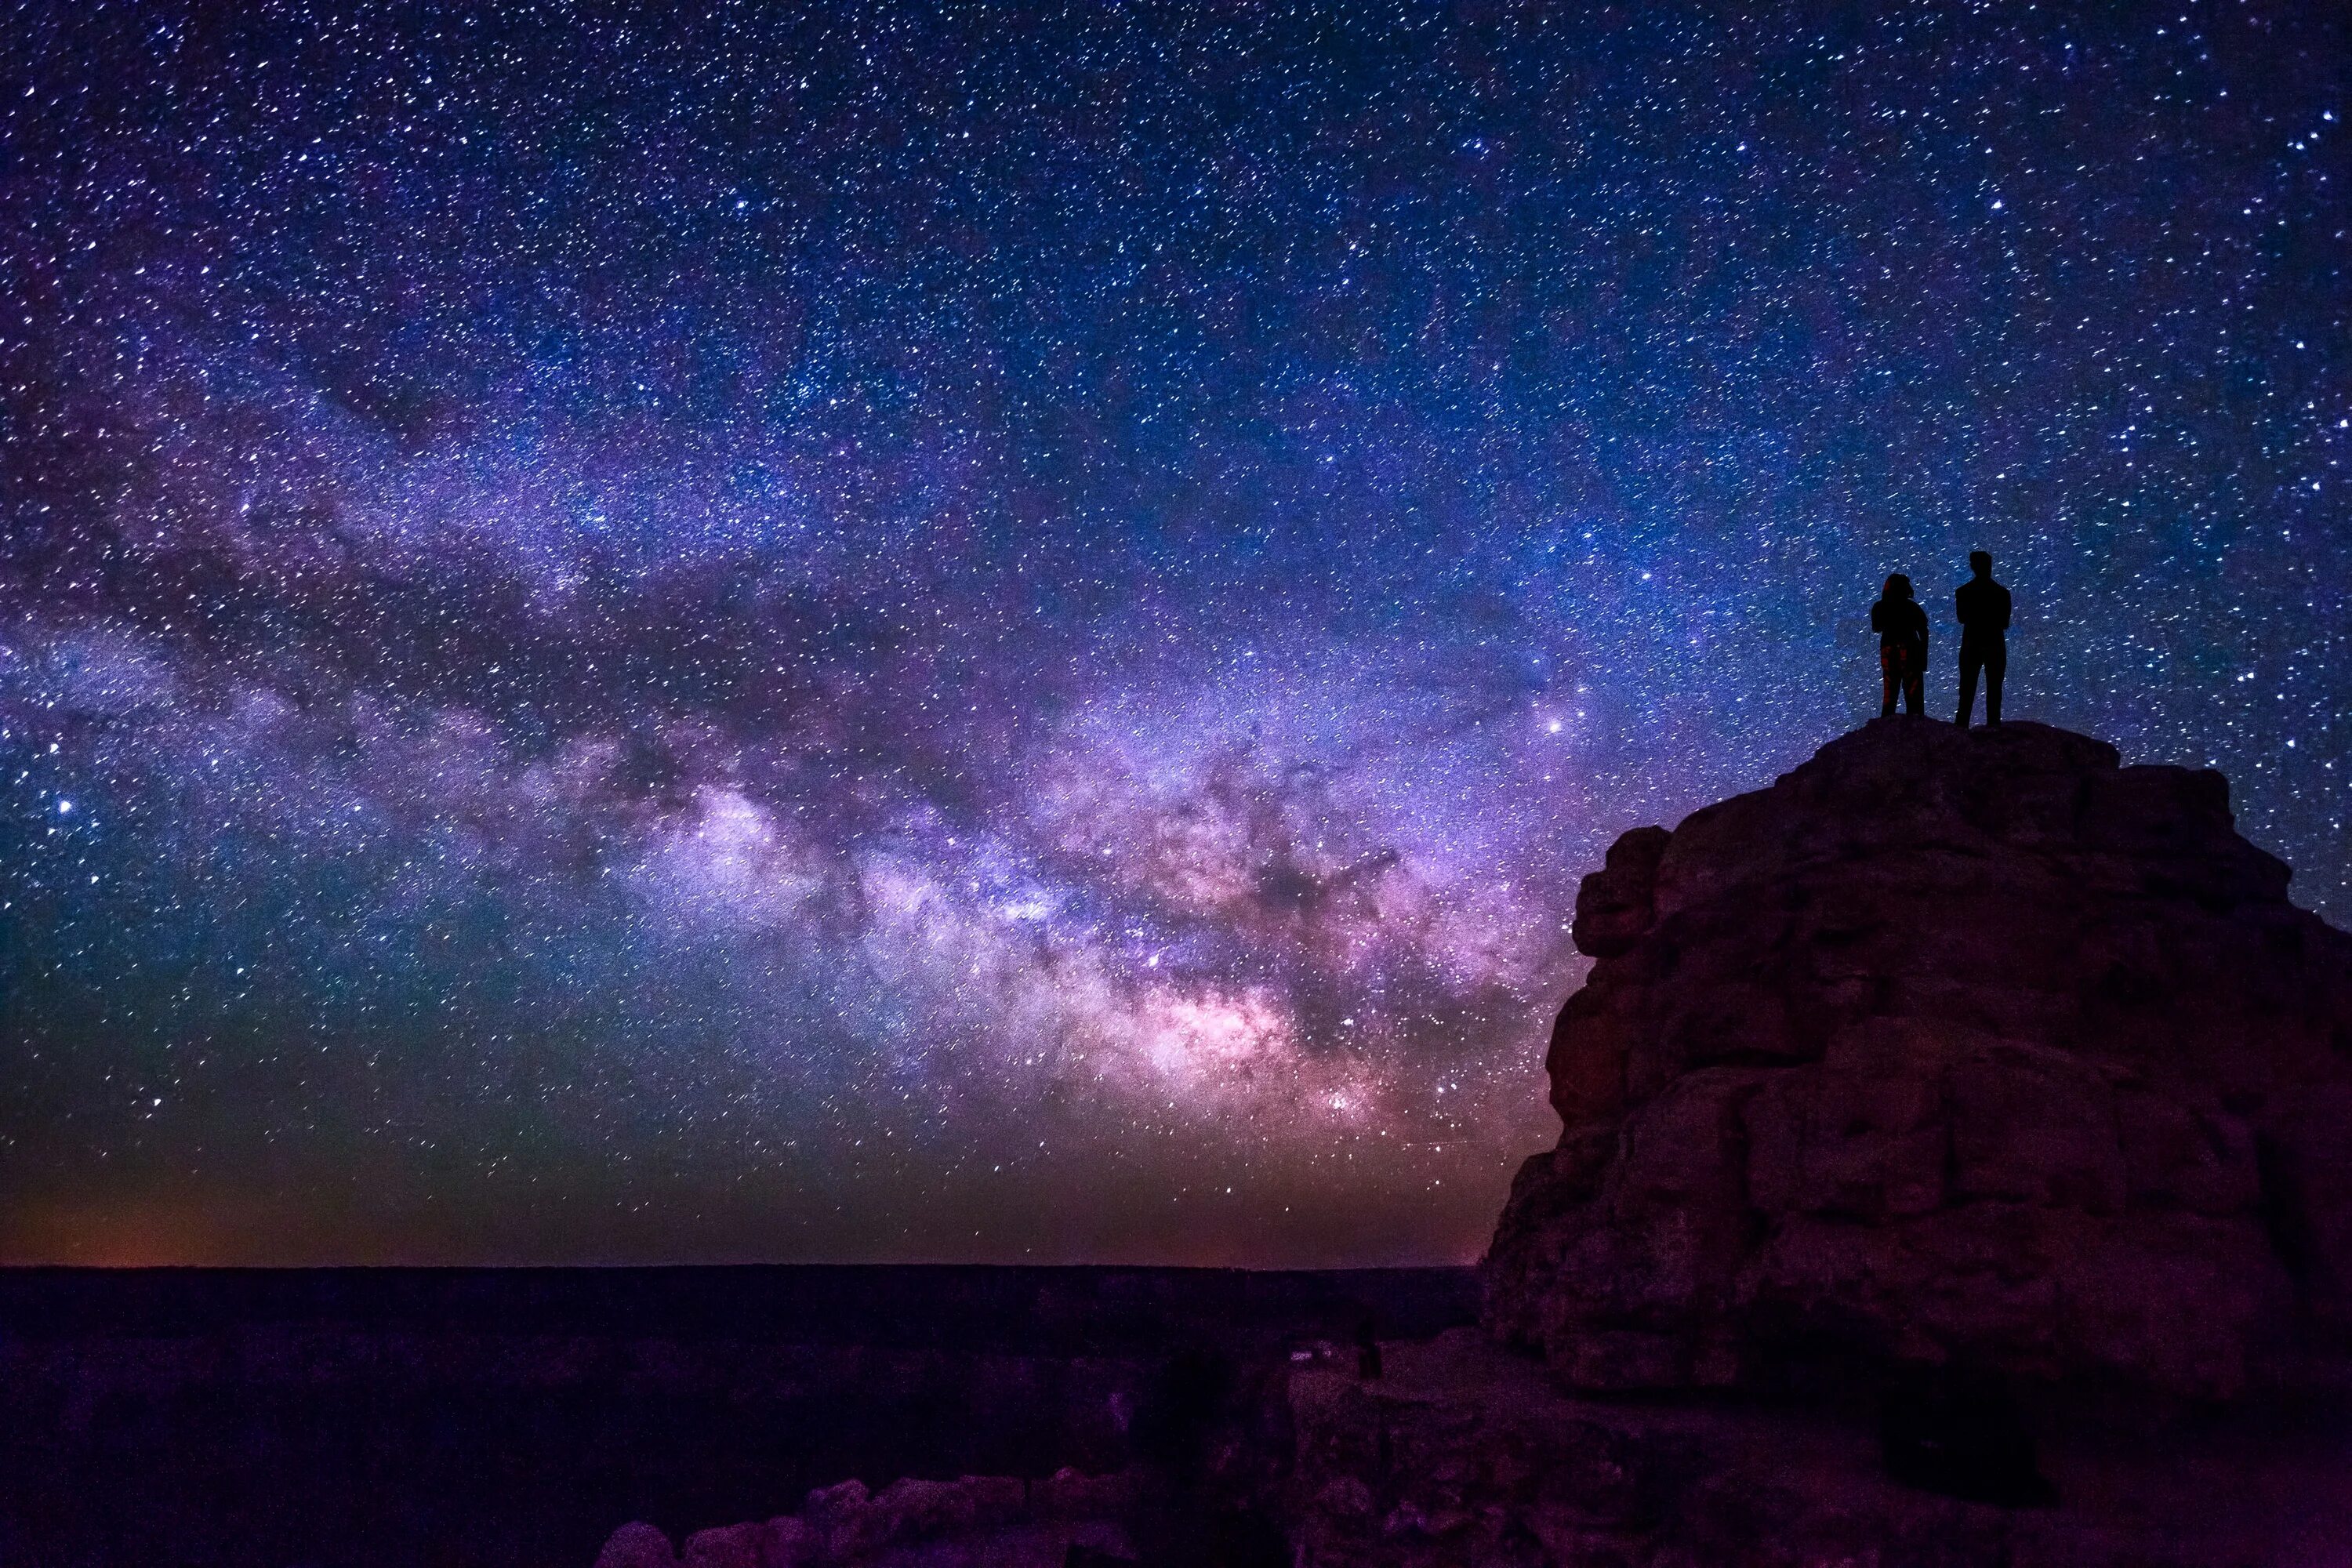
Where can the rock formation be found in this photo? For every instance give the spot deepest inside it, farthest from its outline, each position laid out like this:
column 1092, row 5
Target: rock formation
column 1965, row 1047
column 977, row 1522
column 1464, row 1453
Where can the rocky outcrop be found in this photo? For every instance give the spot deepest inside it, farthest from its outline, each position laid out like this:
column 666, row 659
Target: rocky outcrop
column 1953, row 1046
column 981, row 1521
column 1460, row 1455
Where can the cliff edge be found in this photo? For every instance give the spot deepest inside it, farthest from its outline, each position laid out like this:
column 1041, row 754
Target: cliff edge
column 1952, row 1047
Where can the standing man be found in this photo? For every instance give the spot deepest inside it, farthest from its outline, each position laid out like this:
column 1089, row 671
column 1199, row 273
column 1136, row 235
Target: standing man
column 1982, row 605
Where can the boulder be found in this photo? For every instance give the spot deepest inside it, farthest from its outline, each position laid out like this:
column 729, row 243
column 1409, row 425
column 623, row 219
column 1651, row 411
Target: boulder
column 1952, row 1047
column 728, row 1546
column 636, row 1545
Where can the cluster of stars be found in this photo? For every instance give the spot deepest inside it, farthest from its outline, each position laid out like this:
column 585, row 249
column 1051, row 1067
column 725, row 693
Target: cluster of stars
column 1002, row 630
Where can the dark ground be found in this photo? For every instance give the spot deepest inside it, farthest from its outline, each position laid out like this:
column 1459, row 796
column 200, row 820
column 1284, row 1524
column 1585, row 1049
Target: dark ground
column 509, row 1417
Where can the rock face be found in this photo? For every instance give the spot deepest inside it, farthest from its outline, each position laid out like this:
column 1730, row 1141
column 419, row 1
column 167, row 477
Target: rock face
column 1459, row 1456
column 976, row 1522
column 1953, row 1046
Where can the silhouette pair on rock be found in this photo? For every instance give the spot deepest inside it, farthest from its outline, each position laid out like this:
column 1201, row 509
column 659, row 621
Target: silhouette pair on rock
column 1982, row 607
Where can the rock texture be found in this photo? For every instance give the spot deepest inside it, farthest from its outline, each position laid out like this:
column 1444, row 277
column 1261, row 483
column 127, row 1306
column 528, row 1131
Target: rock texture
column 976, row 1522
column 1460, row 1455
column 1964, row 1046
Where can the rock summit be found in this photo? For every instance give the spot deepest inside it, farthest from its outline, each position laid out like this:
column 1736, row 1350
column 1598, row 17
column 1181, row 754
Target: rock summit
column 1951, row 1048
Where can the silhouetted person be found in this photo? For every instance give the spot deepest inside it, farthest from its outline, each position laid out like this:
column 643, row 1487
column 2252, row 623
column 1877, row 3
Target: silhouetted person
column 1982, row 606
column 1902, row 628
column 1367, row 1348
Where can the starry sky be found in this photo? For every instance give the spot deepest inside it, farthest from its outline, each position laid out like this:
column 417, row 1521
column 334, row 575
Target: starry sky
column 1000, row 632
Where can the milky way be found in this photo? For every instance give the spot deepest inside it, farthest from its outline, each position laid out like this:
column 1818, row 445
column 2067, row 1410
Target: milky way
column 1002, row 632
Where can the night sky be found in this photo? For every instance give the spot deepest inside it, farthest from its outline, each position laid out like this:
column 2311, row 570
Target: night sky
column 635, row 633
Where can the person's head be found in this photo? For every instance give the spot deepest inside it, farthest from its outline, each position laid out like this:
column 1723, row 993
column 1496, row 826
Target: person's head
column 1981, row 562
column 1898, row 586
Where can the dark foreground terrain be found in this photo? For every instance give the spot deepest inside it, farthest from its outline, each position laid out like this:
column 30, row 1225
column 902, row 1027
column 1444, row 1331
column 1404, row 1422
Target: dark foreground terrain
column 494, row 1416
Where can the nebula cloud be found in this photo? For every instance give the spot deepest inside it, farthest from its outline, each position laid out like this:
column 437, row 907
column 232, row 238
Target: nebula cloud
column 897, row 633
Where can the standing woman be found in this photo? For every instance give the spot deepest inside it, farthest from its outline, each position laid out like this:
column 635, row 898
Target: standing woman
column 1902, row 628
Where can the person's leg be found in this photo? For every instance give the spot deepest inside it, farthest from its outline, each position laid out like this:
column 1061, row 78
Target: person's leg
column 1970, row 660
column 1913, row 682
column 1890, row 679
column 1996, row 666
